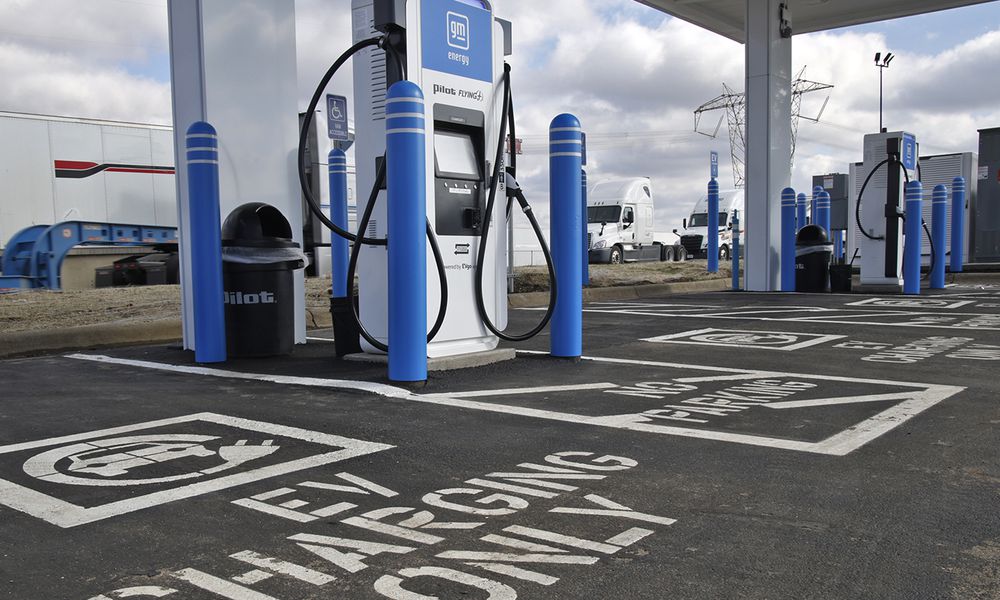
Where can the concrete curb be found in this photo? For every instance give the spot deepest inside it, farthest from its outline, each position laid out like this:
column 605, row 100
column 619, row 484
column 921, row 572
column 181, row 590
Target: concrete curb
column 24, row 343
column 28, row 343
column 629, row 292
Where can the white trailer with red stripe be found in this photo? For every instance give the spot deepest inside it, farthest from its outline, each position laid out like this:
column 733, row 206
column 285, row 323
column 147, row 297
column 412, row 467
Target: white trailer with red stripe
column 55, row 169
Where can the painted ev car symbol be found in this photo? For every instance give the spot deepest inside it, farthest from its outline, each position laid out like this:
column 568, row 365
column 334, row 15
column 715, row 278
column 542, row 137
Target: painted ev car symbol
column 103, row 462
column 739, row 338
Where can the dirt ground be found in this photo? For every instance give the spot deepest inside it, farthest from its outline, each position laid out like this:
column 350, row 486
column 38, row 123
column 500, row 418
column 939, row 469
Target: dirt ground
column 38, row 310
column 536, row 279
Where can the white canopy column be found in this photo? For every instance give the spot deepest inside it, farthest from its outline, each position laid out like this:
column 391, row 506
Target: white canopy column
column 233, row 64
column 768, row 140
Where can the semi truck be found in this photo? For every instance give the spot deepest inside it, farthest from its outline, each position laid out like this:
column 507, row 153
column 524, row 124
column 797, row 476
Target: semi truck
column 620, row 223
column 694, row 239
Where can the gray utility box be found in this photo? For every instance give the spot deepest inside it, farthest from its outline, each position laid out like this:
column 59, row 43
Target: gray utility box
column 985, row 233
column 835, row 184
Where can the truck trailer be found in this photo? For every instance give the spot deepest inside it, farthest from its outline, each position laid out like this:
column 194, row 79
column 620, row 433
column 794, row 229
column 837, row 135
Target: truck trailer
column 55, row 169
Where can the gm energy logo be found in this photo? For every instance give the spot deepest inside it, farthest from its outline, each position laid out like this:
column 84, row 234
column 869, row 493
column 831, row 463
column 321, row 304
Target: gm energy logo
column 458, row 30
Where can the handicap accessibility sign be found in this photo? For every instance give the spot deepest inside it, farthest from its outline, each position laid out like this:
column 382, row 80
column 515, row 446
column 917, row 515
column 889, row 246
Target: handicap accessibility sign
column 336, row 117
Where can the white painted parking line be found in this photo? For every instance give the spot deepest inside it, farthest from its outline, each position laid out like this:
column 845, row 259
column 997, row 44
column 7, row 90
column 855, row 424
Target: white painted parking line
column 835, row 401
column 527, row 390
column 975, row 322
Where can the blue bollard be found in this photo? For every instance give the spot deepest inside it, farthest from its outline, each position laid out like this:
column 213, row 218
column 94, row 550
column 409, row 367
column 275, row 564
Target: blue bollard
column 800, row 211
column 565, row 158
column 407, row 215
column 957, row 224
column 912, row 238
column 939, row 228
column 206, row 244
column 339, row 247
column 736, row 250
column 823, row 212
column 812, row 208
column 713, row 227
column 788, row 240
column 586, row 246
column 838, row 244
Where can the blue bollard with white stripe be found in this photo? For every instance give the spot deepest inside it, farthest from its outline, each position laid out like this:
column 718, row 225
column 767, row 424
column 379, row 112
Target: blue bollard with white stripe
column 339, row 246
column 957, row 224
column 206, row 243
column 565, row 166
column 823, row 212
column 788, row 240
column 586, row 245
column 406, row 180
column 736, row 250
column 800, row 211
column 912, row 238
column 838, row 244
column 713, row 226
column 939, row 228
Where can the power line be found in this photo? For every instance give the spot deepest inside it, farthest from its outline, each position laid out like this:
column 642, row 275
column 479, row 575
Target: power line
column 734, row 103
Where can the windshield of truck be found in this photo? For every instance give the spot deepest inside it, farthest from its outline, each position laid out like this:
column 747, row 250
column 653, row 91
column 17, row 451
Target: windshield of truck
column 603, row 214
column 701, row 220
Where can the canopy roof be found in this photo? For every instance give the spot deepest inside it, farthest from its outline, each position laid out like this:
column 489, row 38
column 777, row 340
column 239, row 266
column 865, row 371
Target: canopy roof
column 727, row 17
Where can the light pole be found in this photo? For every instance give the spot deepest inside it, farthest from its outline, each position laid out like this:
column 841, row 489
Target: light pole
column 882, row 65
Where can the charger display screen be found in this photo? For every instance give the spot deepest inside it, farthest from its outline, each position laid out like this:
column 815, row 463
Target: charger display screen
column 455, row 154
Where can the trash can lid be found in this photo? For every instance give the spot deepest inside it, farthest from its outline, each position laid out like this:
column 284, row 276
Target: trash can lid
column 257, row 224
column 811, row 235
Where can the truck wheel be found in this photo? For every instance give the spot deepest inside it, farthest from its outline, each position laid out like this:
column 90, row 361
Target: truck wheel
column 680, row 254
column 724, row 253
column 666, row 253
column 617, row 256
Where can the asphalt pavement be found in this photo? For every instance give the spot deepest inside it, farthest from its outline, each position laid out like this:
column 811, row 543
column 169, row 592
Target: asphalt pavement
column 719, row 445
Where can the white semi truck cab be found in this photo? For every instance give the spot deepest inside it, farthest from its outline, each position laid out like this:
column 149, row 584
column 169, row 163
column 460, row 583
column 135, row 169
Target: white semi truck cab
column 694, row 238
column 620, row 221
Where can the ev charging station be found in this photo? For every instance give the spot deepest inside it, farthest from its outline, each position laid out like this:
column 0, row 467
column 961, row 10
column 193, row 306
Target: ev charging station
column 448, row 56
column 890, row 161
column 454, row 51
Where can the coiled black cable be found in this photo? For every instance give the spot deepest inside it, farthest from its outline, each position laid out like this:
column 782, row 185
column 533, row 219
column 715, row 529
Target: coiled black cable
column 359, row 240
column 857, row 205
column 494, row 183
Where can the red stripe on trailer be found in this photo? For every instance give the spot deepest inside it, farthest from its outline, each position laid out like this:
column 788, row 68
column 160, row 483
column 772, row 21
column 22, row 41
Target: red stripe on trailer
column 74, row 165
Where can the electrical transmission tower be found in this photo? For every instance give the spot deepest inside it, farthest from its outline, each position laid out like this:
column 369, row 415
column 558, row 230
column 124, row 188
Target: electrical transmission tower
column 735, row 104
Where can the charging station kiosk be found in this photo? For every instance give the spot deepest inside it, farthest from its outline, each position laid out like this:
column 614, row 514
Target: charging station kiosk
column 890, row 160
column 454, row 52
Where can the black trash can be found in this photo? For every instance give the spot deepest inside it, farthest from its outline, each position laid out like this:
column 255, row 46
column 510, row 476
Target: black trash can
column 258, row 261
column 813, row 253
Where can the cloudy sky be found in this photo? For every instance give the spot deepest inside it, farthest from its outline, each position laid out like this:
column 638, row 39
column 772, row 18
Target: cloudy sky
column 632, row 75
